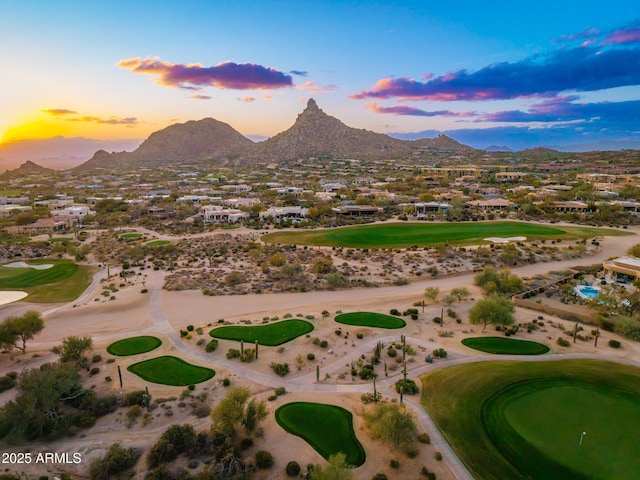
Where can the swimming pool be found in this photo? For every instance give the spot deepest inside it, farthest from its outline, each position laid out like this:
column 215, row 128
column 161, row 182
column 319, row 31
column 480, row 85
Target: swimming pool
column 586, row 291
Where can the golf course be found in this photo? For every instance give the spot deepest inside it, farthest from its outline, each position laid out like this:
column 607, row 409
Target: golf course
column 569, row 419
column 327, row 428
column 370, row 319
column 169, row 370
column 134, row 345
column 404, row 235
column 47, row 280
column 269, row 335
column 505, row 346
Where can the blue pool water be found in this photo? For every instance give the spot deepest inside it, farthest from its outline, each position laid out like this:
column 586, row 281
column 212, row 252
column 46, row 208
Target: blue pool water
column 589, row 292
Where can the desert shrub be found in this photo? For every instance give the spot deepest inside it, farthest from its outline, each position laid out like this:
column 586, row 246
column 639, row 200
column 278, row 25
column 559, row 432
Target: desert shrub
column 408, row 386
column 562, row 342
column 392, row 352
column 394, row 311
column 176, row 440
column 264, row 459
column 233, row 353
column 437, row 320
column 12, row 374
column 212, row 345
column 424, row 438
column 249, row 355
column 246, row 444
column 116, row 461
column 324, row 344
column 201, row 410
column 6, row 383
column 96, row 358
column 280, row 391
column 190, row 328
column 366, row 372
column 137, row 397
column 226, row 382
column 411, row 451
column 311, row 356
column 614, row 343
column 94, row 371
column 281, row 369
column 394, row 463
column 292, row 469
column 439, row 353
column 379, row 476
column 359, row 336
column 438, row 456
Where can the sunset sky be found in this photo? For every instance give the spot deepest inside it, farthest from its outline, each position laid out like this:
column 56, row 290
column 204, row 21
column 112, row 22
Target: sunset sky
column 553, row 72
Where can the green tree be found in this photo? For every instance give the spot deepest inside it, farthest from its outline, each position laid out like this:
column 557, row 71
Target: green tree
column 492, row 309
column 37, row 410
column 501, row 282
column 634, row 251
column 510, row 254
column 323, row 266
column 461, row 293
column 15, row 331
column 73, row 348
column 431, row 294
column 391, row 423
column 337, row 469
column 233, row 410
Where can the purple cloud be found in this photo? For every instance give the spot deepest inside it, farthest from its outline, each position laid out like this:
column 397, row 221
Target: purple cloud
column 579, row 69
column 236, row 76
column 247, row 99
column 407, row 110
column 200, row 97
column 300, row 73
column 58, row 112
column 630, row 34
column 566, row 110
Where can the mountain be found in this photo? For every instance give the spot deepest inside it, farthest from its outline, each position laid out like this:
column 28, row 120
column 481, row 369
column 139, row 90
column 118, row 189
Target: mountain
column 57, row 152
column 27, row 168
column 190, row 141
column 315, row 133
column 498, row 148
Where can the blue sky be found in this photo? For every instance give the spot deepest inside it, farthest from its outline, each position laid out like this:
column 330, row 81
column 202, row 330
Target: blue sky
column 567, row 72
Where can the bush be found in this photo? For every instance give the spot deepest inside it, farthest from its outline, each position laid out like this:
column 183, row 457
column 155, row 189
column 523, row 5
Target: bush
column 359, row 336
column 439, row 353
column 233, row 353
column 190, row 328
column 379, row 476
column 175, row 440
column 392, row 352
column 437, row 320
column 394, row 463
column 438, row 456
column 394, row 311
column 311, row 356
column 116, row 461
column 411, row 451
column 246, row 444
column 292, row 469
column 408, row 386
column 96, row 358
column 211, row 346
column 226, row 382
column 280, row 391
column 264, row 459
column 562, row 342
column 281, row 369
column 6, row 383
column 614, row 344
column 324, row 344
column 94, row 371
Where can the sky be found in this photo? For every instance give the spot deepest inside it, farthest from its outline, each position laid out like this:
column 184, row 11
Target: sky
column 496, row 72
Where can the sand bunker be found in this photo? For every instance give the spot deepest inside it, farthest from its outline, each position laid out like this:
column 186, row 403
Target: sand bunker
column 43, row 266
column 505, row 239
column 11, row 296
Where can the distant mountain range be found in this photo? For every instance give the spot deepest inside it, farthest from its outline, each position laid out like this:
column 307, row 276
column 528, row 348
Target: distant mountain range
column 27, row 168
column 313, row 134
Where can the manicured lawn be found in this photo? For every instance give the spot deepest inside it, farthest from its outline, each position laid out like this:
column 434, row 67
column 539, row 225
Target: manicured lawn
column 131, row 236
column 520, row 420
column 270, row 335
column 403, row 235
column 134, row 345
column 60, row 239
column 370, row 319
column 505, row 346
column 63, row 282
column 327, row 428
column 157, row 243
column 171, row 371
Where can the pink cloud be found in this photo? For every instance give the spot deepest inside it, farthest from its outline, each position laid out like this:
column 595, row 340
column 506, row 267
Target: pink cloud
column 236, row 76
column 200, row 97
column 247, row 99
column 58, row 112
column 314, row 87
column 412, row 111
column 625, row 35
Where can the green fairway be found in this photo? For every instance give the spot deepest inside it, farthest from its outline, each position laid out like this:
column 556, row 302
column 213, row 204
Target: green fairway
column 524, row 420
column 157, row 243
column 403, row 235
column 171, row 371
column 134, row 345
column 505, row 346
column 270, row 335
column 131, row 236
column 369, row 319
column 63, row 282
column 60, row 239
column 327, row 428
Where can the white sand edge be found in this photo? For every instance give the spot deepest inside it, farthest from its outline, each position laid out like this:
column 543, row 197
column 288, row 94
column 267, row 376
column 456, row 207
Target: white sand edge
column 11, row 296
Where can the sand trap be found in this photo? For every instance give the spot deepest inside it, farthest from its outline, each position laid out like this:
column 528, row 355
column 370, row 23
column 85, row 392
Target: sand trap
column 505, row 239
column 11, row 296
column 44, row 266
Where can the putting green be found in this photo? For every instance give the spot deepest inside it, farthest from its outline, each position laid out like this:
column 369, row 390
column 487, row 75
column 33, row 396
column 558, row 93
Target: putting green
column 505, row 346
column 370, row 319
column 327, row 428
column 171, row 371
column 157, row 243
column 63, row 282
column 269, row 335
column 403, row 235
column 134, row 345
column 521, row 420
